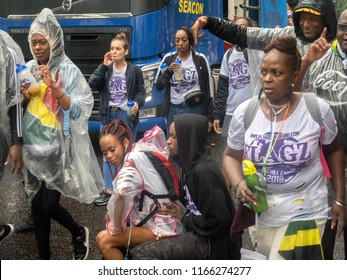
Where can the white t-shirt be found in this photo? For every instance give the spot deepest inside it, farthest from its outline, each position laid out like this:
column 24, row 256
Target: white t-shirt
column 296, row 185
column 190, row 82
column 118, row 89
column 236, row 69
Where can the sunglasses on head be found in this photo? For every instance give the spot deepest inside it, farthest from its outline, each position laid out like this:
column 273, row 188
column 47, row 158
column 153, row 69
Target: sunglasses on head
column 342, row 27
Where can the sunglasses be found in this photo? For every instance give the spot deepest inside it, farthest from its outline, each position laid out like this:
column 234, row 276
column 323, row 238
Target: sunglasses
column 342, row 27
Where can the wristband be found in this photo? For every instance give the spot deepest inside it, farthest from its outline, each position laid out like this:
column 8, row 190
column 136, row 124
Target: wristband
column 339, row 202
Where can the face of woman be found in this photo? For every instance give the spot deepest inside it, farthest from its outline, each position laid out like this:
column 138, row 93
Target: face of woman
column 277, row 76
column 113, row 149
column 182, row 42
column 40, row 48
column 118, row 51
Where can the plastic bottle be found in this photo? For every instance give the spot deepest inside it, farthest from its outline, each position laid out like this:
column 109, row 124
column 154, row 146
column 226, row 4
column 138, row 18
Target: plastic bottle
column 256, row 183
column 25, row 75
column 178, row 74
column 130, row 113
column 163, row 67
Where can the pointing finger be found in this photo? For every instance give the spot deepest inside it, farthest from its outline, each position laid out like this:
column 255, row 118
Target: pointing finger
column 324, row 33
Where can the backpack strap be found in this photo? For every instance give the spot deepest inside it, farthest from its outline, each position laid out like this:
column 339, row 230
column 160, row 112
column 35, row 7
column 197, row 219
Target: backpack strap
column 245, row 53
column 314, row 110
column 251, row 111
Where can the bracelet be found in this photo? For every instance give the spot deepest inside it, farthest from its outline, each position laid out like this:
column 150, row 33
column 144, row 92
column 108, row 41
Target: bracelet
column 339, row 202
column 236, row 185
column 61, row 96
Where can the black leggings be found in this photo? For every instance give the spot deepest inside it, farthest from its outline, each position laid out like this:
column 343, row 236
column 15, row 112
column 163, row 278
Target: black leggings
column 46, row 205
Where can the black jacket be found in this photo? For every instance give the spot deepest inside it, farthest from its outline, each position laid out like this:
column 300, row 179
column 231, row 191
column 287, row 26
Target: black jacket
column 206, row 186
column 163, row 81
column 100, row 79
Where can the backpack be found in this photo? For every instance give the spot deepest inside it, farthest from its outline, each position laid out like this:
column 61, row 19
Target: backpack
column 168, row 174
column 313, row 109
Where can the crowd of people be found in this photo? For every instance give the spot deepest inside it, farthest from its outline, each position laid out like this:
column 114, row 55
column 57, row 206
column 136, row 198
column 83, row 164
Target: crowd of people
column 266, row 114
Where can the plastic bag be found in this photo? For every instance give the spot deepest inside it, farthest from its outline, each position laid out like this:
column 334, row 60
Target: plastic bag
column 152, row 140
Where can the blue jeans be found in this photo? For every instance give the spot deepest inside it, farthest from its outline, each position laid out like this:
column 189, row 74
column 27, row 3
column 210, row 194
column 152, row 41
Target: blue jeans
column 109, row 169
column 180, row 109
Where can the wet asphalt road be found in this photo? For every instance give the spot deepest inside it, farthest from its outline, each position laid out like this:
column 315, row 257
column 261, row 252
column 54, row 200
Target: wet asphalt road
column 22, row 246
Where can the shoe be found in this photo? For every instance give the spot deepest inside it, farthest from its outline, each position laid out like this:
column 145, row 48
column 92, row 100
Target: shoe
column 103, row 199
column 27, row 226
column 9, row 229
column 81, row 245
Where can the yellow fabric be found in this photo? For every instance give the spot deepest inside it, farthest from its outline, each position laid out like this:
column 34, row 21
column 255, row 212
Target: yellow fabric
column 301, row 239
column 38, row 109
column 309, row 10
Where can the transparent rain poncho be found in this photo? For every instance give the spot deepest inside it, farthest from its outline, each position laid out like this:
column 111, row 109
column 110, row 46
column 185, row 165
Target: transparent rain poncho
column 57, row 148
column 10, row 55
column 136, row 175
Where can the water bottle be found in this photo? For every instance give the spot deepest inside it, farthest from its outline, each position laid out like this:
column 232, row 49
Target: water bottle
column 178, row 74
column 256, row 183
column 25, row 75
column 163, row 67
column 130, row 113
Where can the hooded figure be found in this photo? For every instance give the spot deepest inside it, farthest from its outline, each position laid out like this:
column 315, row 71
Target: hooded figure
column 57, row 148
column 255, row 38
column 210, row 210
column 10, row 98
column 206, row 186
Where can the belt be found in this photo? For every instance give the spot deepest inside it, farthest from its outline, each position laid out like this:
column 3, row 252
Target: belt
column 113, row 108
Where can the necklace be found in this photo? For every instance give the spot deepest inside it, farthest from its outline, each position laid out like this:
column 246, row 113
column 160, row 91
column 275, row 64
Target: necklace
column 279, row 108
column 273, row 142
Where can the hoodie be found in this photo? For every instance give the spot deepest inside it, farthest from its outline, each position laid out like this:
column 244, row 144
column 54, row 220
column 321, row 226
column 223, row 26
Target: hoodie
column 326, row 8
column 206, row 186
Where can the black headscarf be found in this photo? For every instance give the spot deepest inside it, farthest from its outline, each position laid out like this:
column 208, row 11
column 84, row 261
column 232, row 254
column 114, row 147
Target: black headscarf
column 193, row 147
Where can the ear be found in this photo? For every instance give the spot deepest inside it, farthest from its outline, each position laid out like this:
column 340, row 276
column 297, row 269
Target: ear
column 126, row 52
column 126, row 143
column 295, row 76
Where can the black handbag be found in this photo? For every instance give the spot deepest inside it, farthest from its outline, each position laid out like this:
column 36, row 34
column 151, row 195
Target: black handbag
column 194, row 98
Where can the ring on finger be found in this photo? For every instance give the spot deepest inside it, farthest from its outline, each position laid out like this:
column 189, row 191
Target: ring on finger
column 243, row 200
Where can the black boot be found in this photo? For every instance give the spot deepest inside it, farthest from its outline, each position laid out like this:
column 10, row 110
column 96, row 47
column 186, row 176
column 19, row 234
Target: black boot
column 27, row 226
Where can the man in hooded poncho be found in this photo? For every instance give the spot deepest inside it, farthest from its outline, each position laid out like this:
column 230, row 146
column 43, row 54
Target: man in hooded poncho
column 309, row 18
column 57, row 150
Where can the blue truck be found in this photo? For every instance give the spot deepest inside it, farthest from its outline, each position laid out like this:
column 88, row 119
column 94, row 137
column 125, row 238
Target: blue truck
column 89, row 26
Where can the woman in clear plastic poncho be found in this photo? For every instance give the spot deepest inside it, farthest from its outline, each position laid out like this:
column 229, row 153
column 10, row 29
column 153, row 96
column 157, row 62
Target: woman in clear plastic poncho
column 10, row 107
column 56, row 147
column 63, row 156
column 132, row 209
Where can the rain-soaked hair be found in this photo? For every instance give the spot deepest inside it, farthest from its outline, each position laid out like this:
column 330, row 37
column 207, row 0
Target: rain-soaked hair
column 189, row 34
column 120, row 130
column 123, row 38
column 288, row 45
